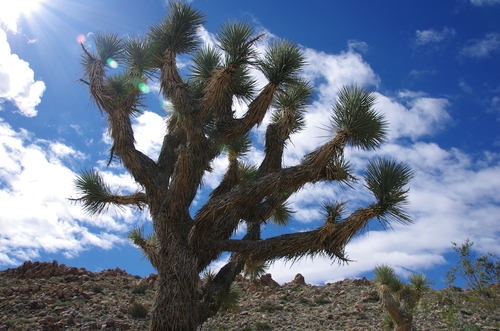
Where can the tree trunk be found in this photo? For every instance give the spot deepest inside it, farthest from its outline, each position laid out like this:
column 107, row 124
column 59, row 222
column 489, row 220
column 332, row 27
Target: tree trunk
column 402, row 319
column 404, row 326
column 176, row 301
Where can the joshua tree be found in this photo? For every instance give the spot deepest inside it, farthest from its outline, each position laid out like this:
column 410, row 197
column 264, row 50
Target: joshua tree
column 202, row 126
column 399, row 299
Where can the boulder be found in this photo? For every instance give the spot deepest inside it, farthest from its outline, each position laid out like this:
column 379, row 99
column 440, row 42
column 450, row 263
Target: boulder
column 299, row 280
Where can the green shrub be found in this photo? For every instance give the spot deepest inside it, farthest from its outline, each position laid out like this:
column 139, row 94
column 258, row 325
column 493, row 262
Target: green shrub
column 263, row 326
column 479, row 272
column 269, row 307
column 304, row 301
column 137, row 310
column 139, row 290
column 60, row 303
column 373, row 296
column 13, row 322
column 97, row 289
column 228, row 300
column 321, row 301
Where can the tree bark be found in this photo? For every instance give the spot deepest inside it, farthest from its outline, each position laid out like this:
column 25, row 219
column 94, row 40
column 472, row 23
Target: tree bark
column 402, row 320
column 176, row 301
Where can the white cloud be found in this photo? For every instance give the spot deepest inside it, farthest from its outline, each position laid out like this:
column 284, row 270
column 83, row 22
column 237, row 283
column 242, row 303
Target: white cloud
column 452, row 197
column 481, row 48
column 423, row 37
column 485, row 2
column 35, row 184
column 149, row 129
column 17, row 83
column 495, row 104
column 420, row 73
column 426, row 115
column 330, row 72
column 356, row 45
column 465, row 87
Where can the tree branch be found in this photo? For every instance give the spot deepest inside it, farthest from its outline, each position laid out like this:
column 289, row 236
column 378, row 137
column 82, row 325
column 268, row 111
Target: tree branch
column 230, row 129
column 219, row 212
column 329, row 239
column 140, row 166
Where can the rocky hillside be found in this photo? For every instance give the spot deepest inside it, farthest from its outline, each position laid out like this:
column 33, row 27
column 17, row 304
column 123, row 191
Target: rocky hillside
column 50, row 296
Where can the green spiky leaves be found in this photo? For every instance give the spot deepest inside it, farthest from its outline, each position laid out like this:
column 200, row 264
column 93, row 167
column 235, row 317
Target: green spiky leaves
column 419, row 282
column 282, row 62
column 282, row 214
column 239, row 147
column 333, row 211
column 138, row 55
column 178, row 30
column 122, row 92
column 387, row 179
column 247, row 172
column 109, row 47
column 385, row 275
column 204, row 62
column 353, row 114
column 95, row 194
column 148, row 244
column 255, row 270
column 290, row 105
column 236, row 39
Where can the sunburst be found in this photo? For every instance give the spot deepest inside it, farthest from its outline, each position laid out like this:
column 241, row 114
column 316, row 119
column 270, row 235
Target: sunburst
column 11, row 11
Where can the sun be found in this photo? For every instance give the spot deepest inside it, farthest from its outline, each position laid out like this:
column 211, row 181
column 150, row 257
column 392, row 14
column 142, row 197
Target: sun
column 27, row 6
column 10, row 11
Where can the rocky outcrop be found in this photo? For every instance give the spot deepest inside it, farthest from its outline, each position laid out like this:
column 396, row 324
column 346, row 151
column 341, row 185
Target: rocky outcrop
column 299, row 280
column 33, row 270
column 50, row 296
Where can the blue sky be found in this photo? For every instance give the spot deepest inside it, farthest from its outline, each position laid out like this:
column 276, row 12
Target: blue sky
column 433, row 65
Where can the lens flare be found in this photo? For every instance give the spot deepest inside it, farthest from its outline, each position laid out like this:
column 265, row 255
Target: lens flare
column 141, row 86
column 144, row 88
column 81, row 38
column 112, row 63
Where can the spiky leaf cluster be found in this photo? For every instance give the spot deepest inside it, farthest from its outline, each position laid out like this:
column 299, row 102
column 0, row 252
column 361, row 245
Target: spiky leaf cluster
column 94, row 192
column 236, row 39
column 138, row 56
column 386, row 179
column 255, row 270
column 293, row 101
column 205, row 61
column 109, row 46
column 282, row 62
column 385, row 275
column 177, row 32
column 247, row 171
column 419, row 282
column 282, row 214
column 148, row 244
column 333, row 211
column 122, row 91
column 353, row 113
column 239, row 147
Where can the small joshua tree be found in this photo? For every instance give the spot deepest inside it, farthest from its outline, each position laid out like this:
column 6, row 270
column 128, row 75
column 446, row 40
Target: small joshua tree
column 399, row 299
